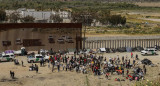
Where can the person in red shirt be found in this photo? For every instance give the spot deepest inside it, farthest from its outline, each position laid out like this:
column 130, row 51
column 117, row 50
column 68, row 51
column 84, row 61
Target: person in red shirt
column 55, row 57
column 131, row 54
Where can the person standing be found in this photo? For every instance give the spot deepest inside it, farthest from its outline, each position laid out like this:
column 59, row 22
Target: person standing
column 66, row 66
column 13, row 75
column 10, row 73
column 122, row 58
column 131, row 54
column 136, row 57
column 122, row 72
column 22, row 63
column 144, row 66
column 145, row 70
column 36, row 68
column 41, row 62
column 127, row 72
column 53, row 63
column 58, row 66
column 107, row 74
column 134, row 62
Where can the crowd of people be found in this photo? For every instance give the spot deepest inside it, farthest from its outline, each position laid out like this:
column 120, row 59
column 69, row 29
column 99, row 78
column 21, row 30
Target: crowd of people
column 98, row 65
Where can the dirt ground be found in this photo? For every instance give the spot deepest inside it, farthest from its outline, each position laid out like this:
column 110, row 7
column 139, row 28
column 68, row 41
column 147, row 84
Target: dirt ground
column 45, row 77
column 148, row 4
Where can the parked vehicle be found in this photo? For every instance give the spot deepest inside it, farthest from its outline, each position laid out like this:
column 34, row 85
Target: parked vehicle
column 7, row 57
column 60, row 40
column 123, row 49
column 80, row 52
column 102, row 50
column 69, row 39
column 35, row 58
column 46, row 58
column 139, row 48
column 18, row 52
column 149, row 51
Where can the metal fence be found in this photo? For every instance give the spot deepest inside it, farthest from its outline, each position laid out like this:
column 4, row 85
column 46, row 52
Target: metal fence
column 122, row 41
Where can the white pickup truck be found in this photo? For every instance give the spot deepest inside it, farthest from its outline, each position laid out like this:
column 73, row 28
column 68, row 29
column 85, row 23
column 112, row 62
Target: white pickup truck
column 37, row 58
column 18, row 52
column 7, row 57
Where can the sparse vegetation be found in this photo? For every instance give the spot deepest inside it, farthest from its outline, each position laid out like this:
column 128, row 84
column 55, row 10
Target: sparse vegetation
column 115, row 17
column 148, row 83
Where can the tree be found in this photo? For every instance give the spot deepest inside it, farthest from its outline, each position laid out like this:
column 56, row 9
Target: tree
column 117, row 19
column 123, row 20
column 2, row 15
column 103, row 16
column 56, row 18
column 14, row 17
column 28, row 19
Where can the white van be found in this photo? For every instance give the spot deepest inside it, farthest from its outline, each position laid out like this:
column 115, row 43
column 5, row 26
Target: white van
column 149, row 51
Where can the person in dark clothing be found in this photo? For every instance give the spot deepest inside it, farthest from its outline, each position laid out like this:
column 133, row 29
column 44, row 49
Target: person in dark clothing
column 134, row 62
column 32, row 67
column 77, row 68
column 136, row 57
column 13, row 75
column 145, row 70
column 36, row 68
column 22, row 63
column 144, row 66
column 122, row 72
column 41, row 63
column 10, row 73
column 66, row 67
column 58, row 66
column 122, row 58
column 63, row 59
column 127, row 72
column 53, row 63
